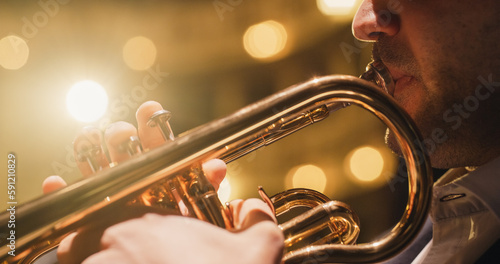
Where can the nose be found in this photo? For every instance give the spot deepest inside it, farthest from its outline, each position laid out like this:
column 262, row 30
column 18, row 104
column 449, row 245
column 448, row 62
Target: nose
column 372, row 21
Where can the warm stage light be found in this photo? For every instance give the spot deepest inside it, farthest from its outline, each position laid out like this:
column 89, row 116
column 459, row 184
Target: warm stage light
column 337, row 7
column 307, row 176
column 14, row 52
column 265, row 40
column 139, row 53
column 365, row 163
column 87, row 101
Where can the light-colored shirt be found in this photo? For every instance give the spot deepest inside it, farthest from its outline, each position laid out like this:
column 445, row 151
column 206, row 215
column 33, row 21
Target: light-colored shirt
column 465, row 215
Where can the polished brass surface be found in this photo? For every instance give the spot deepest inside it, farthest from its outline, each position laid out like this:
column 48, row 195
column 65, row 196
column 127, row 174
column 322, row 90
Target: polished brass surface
column 149, row 177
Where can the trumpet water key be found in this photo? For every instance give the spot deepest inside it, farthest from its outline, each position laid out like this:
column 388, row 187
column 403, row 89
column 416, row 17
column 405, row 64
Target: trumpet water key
column 150, row 177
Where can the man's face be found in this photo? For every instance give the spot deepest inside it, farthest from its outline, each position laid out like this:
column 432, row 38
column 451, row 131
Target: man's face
column 445, row 59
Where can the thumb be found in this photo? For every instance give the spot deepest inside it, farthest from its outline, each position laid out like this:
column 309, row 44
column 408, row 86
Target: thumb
column 53, row 183
column 247, row 213
column 268, row 241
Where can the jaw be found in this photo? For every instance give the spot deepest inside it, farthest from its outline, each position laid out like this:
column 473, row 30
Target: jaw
column 430, row 150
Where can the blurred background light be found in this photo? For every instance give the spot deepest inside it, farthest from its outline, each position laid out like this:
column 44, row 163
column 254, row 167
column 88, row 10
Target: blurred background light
column 307, row 176
column 366, row 163
column 265, row 40
column 14, row 52
column 139, row 53
column 87, row 101
column 337, row 7
column 224, row 191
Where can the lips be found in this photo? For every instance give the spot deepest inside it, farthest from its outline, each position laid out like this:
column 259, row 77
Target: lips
column 401, row 79
column 401, row 84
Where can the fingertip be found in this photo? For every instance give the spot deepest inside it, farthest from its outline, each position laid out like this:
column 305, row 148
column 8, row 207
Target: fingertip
column 115, row 136
column 151, row 137
column 88, row 135
column 64, row 249
column 251, row 211
column 88, row 146
column 118, row 131
column 53, row 183
column 146, row 109
column 270, row 239
column 215, row 171
column 259, row 225
column 215, row 164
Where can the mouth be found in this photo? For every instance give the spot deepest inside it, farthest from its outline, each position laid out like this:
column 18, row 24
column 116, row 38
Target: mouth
column 379, row 74
column 399, row 70
column 401, row 79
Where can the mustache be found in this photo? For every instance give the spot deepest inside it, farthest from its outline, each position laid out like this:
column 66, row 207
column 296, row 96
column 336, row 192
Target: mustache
column 396, row 55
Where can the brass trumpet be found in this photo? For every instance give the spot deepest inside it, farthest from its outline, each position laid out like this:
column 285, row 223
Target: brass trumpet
column 176, row 165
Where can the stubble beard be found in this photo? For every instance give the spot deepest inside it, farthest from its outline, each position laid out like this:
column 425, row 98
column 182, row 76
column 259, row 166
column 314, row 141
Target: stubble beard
column 450, row 144
column 425, row 103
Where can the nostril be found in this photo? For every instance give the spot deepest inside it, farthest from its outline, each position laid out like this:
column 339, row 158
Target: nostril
column 374, row 35
column 371, row 22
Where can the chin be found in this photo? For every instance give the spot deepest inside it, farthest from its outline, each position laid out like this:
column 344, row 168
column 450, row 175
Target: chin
column 441, row 157
column 393, row 144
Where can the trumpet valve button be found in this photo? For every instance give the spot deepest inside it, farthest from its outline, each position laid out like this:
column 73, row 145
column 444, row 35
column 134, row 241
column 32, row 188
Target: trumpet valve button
column 132, row 146
column 88, row 149
column 160, row 119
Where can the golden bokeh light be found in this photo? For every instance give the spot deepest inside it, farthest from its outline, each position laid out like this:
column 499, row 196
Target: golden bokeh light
column 224, row 191
column 337, row 7
column 307, row 176
column 139, row 53
column 365, row 163
column 14, row 52
column 265, row 40
column 87, row 101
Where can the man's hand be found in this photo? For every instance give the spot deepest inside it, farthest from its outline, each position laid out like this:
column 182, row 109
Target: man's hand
column 175, row 239
column 253, row 220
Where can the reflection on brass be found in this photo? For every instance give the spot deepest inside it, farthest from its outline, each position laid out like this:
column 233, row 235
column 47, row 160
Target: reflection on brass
column 171, row 176
column 132, row 146
column 160, row 119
